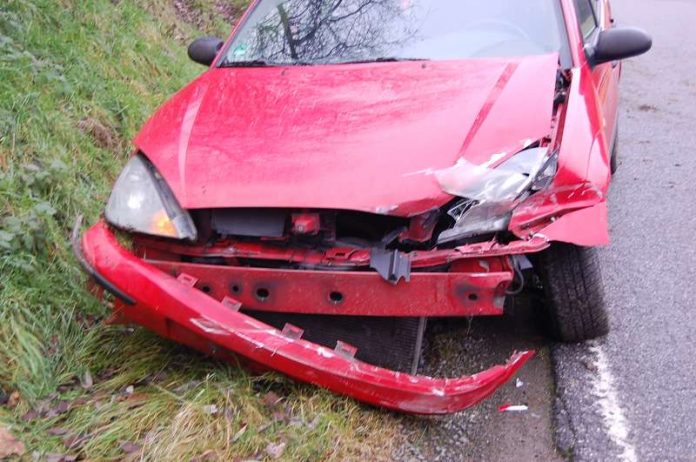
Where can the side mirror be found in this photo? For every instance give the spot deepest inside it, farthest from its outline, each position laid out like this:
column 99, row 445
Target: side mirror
column 620, row 43
column 204, row 50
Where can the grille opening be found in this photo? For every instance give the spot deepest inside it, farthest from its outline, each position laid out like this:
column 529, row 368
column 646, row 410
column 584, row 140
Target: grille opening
column 366, row 226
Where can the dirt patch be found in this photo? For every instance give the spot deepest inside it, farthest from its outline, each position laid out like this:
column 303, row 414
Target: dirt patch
column 103, row 135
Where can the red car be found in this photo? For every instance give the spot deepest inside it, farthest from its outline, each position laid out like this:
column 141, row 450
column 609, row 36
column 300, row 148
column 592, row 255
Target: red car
column 347, row 169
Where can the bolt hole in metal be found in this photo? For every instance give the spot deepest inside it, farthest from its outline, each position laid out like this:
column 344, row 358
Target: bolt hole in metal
column 235, row 289
column 262, row 294
column 473, row 297
column 205, row 288
column 336, row 297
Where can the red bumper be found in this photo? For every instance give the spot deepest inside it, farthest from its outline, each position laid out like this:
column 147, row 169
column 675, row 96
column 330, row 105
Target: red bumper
column 175, row 309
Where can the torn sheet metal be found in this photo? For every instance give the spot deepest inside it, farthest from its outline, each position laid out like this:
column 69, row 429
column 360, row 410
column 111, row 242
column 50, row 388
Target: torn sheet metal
column 492, row 190
column 480, row 219
column 588, row 227
column 188, row 315
column 337, row 257
column 552, row 213
column 492, row 181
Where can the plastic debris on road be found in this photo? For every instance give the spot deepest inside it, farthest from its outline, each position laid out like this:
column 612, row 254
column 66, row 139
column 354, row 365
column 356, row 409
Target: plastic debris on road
column 513, row 408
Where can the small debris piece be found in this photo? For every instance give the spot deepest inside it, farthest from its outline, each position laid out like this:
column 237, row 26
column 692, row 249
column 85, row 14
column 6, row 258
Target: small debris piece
column 9, row 445
column 130, row 389
column 513, row 408
column 275, row 451
column 519, row 383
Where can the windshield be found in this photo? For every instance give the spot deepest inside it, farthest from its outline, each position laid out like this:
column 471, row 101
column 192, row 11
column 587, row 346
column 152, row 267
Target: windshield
column 285, row 32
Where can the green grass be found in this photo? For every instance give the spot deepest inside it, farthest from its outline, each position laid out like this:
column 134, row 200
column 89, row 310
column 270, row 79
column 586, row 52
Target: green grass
column 77, row 80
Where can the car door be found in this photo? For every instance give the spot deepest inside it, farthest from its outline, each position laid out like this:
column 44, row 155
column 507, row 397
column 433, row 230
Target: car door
column 594, row 16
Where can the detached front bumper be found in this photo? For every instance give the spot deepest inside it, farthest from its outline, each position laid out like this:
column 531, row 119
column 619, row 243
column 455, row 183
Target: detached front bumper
column 172, row 307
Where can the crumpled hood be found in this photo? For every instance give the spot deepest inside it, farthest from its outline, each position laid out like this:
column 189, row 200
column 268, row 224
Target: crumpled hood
column 356, row 137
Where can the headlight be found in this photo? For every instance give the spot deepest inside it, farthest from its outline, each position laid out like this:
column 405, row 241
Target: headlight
column 490, row 194
column 142, row 202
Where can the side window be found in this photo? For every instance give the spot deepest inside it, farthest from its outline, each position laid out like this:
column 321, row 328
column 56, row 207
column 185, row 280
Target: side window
column 587, row 16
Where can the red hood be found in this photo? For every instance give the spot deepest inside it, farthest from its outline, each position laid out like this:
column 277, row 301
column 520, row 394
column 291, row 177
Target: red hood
column 356, row 137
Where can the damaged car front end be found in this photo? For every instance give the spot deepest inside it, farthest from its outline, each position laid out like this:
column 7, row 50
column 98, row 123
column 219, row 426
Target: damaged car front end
column 309, row 219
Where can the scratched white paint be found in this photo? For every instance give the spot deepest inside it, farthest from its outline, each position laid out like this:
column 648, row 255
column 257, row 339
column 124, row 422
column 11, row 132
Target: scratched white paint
column 209, row 327
column 615, row 421
column 325, row 353
column 438, row 392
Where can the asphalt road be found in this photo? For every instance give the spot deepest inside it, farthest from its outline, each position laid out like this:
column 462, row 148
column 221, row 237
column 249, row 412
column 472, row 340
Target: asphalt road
column 633, row 395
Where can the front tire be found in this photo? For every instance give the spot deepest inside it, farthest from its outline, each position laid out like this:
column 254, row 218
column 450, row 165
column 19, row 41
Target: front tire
column 615, row 154
column 574, row 292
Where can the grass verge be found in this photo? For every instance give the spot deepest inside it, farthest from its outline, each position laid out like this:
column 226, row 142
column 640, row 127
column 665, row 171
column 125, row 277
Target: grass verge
column 77, row 79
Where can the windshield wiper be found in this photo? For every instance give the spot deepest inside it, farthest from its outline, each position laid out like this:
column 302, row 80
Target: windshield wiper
column 251, row 63
column 387, row 59
column 261, row 63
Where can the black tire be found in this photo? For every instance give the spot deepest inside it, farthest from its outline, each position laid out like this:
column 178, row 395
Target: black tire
column 615, row 154
column 574, row 292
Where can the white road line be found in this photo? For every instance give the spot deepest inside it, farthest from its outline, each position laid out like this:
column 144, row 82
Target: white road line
column 614, row 419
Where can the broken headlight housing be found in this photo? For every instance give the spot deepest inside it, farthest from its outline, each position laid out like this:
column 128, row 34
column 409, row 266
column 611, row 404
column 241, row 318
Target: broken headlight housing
column 489, row 195
column 142, row 202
